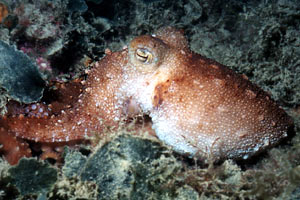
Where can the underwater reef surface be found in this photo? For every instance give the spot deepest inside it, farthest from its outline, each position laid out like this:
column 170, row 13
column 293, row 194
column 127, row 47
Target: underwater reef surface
column 19, row 75
column 258, row 38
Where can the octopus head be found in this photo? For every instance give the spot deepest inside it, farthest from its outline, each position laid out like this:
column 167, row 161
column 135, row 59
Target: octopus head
column 147, row 53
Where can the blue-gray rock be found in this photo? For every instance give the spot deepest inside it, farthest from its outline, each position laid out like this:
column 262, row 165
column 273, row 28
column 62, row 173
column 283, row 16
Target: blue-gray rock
column 19, row 76
column 33, row 177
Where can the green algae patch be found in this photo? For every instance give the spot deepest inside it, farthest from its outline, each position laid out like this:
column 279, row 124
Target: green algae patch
column 131, row 167
column 74, row 162
column 19, row 75
column 7, row 190
column 32, row 177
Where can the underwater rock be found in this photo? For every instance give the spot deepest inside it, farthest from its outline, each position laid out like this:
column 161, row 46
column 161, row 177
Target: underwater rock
column 130, row 167
column 187, row 192
column 19, row 75
column 74, row 161
column 77, row 5
column 32, row 177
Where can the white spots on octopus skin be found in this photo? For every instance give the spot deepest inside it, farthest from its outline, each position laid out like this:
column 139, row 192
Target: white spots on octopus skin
column 34, row 106
column 53, row 137
column 181, row 138
column 245, row 77
column 261, row 117
column 174, row 37
column 172, row 87
column 222, row 108
column 243, row 116
column 215, row 66
column 125, row 77
column 198, row 84
column 182, row 52
column 241, row 133
column 88, row 90
column 140, row 91
column 266, row 142
column 219, row 82
column 256, row 148
column 250, row 151
column 172, row 137
column 109, row 76
column 285, row 134
column 250, row 94
column 97, row 104
column 86, row 133
column 246, row 156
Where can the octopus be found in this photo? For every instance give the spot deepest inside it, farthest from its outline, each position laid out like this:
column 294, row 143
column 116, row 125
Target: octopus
column 197, row 106
column 3, row 12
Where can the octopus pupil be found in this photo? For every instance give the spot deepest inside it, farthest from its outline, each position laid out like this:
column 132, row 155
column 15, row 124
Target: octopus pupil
column 143, row 55
column 143, row 58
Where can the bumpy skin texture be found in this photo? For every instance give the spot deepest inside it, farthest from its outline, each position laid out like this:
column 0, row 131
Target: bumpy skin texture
column 12, row 147
column 197, row 106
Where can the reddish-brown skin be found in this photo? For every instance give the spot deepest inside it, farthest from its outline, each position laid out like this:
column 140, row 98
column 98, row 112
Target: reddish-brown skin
column 197, row 105
column 12, row 147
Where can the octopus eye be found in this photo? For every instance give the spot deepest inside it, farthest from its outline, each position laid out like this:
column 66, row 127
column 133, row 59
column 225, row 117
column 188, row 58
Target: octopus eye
column 144, row 56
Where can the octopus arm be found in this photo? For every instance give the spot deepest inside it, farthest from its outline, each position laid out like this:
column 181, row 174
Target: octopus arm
column 95, row 105
column 13, row 148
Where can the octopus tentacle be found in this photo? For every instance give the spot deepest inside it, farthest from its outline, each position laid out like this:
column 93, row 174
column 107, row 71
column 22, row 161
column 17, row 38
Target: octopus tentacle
column 81, row 119
column 13, row 148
